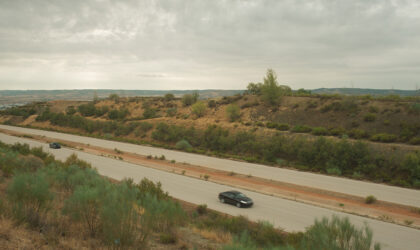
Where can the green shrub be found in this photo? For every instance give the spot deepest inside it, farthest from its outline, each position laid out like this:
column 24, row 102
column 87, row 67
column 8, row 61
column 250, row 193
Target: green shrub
column 369, row 117
column 167, row 238
column 337, row 131
column 337, row 234
column 169, row 97
column 370, row 199
column 121, row 217
column 383, row 138
column 415, row 141
column 260, row 124
column 301, row 129
column 373, row 109
column 319, row 131
column 282, row 126
column 271, row 125
column 164, row 215
column 201, row 209
column 358, row 134
column 146, row 186
column 183, row 145
column 212, row 104
column 70, row 110
column 171, row 112
column 233, row 112
column 30, row 196
column 334, row 171
column 87, row 109
column 190, row 99
column 149, row 113
column 85, row 204
column 199, row 109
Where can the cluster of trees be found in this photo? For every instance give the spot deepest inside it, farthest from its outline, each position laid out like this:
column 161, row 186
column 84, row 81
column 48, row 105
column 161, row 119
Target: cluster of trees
column 270, row 91
column 87, row 125
column 353, row 159
column 24, row 111
column 120, row 215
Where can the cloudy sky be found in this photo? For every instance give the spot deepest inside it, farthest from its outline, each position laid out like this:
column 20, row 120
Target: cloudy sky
column 203, row 44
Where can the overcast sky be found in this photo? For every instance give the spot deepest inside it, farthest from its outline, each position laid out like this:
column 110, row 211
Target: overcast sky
column 208, row 44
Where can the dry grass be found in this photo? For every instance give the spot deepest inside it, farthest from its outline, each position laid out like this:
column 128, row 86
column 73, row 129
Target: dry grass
column 214, row 236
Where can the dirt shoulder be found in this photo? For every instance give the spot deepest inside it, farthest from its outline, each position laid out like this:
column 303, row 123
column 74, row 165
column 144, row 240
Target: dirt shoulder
column 385, row 211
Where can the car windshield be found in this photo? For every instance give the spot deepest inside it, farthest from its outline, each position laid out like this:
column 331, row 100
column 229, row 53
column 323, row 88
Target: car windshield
column 240, row 195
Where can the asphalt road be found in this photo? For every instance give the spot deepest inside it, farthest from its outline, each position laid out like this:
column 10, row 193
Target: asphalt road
column 286, row 214
column 342, row 185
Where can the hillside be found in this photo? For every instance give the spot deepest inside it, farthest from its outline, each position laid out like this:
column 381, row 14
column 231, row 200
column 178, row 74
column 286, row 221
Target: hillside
column 359, row 91
column 308, row 132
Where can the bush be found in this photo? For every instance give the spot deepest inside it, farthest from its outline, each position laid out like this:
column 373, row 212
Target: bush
column 369, row 117
column 164, row 215
column 190, row 99
column 149, row 113
column 334, row 171
column 85, row 204
column 167, row 238
column 415, row 141
column 370, row 199
column 337, row 234
column 202, row 209
column 183, row 145
column 199, row 109
column 121, row 217
column 87, row 109
column 116, row 114
column 384, row 138
column 282, row 126
column 319, row 131
column 30, row 196
column 171, row 112
column 146, row 186
column 70, row 110
column 301, row 129
column 358, row 134
column 212, row 104
column 169, row 97
column 233, row 112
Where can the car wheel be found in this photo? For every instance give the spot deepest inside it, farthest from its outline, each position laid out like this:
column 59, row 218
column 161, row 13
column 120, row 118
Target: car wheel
column 222, row 200
column 238, row 204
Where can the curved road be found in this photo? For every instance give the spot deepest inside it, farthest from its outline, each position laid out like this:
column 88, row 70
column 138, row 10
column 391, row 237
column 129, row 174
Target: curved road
column 382, row 192
column 282, row 213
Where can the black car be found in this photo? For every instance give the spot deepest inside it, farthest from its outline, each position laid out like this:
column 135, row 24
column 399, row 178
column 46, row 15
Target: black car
column 235, row 198
column 55, row 145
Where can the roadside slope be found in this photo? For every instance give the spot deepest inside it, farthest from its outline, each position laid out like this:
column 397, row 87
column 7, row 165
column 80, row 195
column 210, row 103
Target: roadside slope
column 282, row 213
column 387, row 193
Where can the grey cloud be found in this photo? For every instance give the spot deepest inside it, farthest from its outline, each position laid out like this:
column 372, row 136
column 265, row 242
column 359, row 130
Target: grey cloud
column 208, row 44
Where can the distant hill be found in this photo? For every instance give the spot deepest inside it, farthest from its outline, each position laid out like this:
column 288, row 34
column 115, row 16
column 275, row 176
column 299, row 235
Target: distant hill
column 24, row 96
column 356, row 91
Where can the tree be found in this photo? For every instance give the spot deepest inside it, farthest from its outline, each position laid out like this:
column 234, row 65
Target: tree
column 233, row 111
column 270, row 90
column 188, row 99
column 199, row 109
column 254, row 88
column 169, row 97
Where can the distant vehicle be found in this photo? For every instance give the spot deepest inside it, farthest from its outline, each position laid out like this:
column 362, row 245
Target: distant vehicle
column 235, row 198
column 55, row 145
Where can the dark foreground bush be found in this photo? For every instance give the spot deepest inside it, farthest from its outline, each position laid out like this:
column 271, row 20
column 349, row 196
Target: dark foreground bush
column 339, row 234
column 30, row 195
